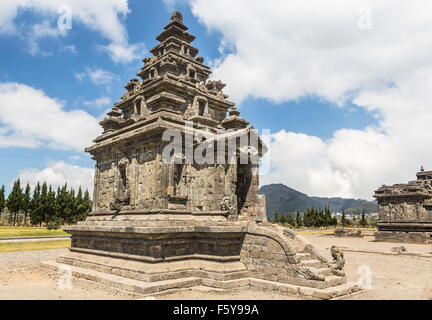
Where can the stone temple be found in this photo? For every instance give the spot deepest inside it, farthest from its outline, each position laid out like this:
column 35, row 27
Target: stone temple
column 405, row 210
column 159, row 225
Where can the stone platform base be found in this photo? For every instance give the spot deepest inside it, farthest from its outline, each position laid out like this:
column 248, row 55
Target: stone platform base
column 404, row 237
column 152, row 253
column 236, row 280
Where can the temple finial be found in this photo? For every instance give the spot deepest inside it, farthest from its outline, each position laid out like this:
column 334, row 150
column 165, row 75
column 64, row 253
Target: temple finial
column 234, row 111
column 422, row 169
column 176, row 17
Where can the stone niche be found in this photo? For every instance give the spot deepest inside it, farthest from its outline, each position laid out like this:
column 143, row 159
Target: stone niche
column 161, row 224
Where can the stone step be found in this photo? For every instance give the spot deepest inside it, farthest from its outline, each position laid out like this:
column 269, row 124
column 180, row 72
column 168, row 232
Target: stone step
column 123, row 283
column 324, row 271
column 334, row 280
column 161, row 287
column 336, row 291
column 311, row 263
column 303, row 256
column 141, row 272
column 325, row 293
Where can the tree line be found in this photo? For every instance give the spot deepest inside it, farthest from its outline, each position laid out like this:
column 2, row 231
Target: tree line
column 44, row 205
column 315, row 218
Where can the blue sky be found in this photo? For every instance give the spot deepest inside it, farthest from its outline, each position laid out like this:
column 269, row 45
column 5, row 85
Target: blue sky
column 75, row 71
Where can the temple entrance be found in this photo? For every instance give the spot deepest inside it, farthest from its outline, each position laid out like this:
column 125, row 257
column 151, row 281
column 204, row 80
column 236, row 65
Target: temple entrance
column 244, row 178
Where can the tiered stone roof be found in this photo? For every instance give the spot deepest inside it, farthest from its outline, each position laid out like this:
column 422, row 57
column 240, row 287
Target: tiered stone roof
column 174, row 81
column 422, row 187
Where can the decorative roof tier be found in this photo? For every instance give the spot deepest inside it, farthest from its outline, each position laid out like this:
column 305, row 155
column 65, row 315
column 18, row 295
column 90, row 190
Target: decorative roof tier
column 422, row 187
column 174, row 86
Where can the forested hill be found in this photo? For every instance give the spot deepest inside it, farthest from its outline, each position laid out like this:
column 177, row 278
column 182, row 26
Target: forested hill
column 284, row 199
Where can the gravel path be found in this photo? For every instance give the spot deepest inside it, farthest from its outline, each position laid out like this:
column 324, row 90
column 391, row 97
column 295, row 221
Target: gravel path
column 11, row 261
column 22, row 279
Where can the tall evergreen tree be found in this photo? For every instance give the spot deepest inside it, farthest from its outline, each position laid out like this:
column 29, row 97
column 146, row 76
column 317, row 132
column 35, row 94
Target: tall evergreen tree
column 72, row 215
column 62, row 203
column 290, row 220
column 282, row 219
column 2, row 199
column 50, row 205
column 26, row 203
column 327, row 216
column 35, row 203
column 299, row 220
column 87, row 204
column 14, row 202
column 276, row 217
column 42, row 209
column 343, row 220
column 363, row 221
column 307, row 218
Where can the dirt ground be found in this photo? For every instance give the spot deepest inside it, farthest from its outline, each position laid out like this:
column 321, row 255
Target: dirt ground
column 392, row 276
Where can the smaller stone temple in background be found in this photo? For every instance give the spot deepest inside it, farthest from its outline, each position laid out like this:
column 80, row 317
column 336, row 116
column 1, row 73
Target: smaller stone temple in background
column 405, row 210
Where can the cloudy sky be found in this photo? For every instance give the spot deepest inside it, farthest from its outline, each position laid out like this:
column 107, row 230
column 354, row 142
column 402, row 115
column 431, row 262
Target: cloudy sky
column 345, row 87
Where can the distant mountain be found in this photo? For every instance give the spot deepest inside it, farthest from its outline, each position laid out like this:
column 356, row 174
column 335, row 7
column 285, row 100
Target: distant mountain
column 284, row 199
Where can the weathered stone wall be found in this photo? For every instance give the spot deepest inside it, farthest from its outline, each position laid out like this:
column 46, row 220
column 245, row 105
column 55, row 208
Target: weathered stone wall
column 164, row 246
column 148, row 181
column 144, row 184
column 266, row 258
column 205, row 187
column 407, row 237
column 403, row 209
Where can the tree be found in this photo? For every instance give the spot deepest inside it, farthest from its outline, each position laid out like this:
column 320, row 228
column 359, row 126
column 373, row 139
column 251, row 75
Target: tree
column 307, row 218
column 2, row 199
column 276, row 217
column 50, row 205
column 363, row 221
column 282, row 219
column 26, row 203
column 87, row 203
column 35, row 203
column 43, row 204
column 290, row 220
column 343, row 220
column 63, row 210
column 14, row 202
column 299, row 220
column 327, row 216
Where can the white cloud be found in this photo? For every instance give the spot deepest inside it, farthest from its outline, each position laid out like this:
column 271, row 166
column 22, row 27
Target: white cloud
column 29, row 118
column 124, row 52
column 59, row 173
column 104, row 16
column 38, row 31
column 69, row 48
column 98, row 103
column 97, row 76
column 287, row 50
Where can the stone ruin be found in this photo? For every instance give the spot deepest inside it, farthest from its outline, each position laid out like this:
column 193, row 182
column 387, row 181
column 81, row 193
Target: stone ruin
column 161, row 225
column 342, row 232
column 405, row 210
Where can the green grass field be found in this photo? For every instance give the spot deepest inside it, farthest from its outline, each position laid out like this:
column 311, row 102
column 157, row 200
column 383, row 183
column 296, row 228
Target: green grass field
column 36, row 245
column 9, row 232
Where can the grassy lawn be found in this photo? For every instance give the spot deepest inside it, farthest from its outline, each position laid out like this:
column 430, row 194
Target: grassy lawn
column 8, row 232
column 36, row 245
